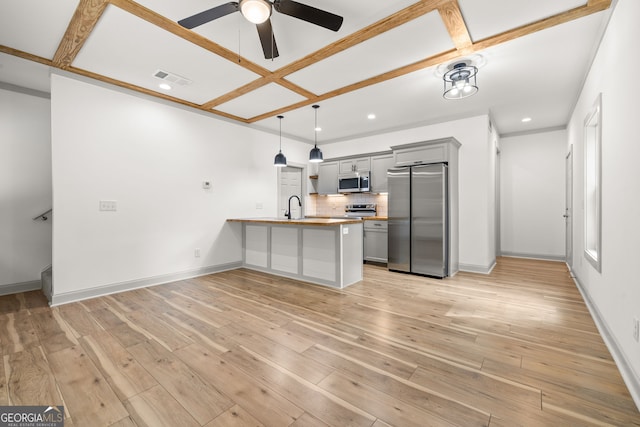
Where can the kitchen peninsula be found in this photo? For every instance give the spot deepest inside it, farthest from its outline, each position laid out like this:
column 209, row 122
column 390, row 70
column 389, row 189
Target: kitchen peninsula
column 324, row 251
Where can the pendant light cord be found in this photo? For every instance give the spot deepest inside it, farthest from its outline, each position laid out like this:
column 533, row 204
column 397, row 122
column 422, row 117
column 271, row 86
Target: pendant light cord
column 280, row 117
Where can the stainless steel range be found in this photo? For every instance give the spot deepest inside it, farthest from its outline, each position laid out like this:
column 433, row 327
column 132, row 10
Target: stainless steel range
column 360, row 210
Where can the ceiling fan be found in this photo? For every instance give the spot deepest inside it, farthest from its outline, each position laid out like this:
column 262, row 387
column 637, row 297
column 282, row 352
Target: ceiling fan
column 259, row 13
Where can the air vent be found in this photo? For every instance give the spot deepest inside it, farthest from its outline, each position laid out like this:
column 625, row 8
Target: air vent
column 172, row 78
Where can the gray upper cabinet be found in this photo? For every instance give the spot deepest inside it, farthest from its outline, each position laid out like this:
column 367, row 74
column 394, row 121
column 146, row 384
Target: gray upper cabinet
column 328, row 178
column 439, row 150
column 379, row 166
column 360, row 164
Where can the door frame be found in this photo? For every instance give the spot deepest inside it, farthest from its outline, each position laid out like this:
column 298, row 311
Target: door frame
column 568, row 209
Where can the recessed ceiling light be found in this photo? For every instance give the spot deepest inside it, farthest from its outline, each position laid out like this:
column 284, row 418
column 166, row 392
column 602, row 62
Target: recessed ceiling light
column 165, row 86
column 371, row 116
column 318, row 129
column 526, row 119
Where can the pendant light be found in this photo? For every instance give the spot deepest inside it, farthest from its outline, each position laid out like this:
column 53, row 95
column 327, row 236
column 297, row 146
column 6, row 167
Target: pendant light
column 315, row 156
column 280, row 161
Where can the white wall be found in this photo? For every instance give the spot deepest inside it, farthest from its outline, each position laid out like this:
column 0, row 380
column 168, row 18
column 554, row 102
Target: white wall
column 151, row 157
column 25, row 188
column 532, row 180
column 615, row 292
column 476, row 179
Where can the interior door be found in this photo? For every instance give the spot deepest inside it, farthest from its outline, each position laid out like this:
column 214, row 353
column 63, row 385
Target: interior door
column 290, row 185
column 568, row 210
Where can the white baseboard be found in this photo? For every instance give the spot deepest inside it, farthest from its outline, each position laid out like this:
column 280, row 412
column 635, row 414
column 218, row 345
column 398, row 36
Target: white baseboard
column 474, row 268
column 16, row 288
column 67, row 297
column 533, row 256
column 630, row 377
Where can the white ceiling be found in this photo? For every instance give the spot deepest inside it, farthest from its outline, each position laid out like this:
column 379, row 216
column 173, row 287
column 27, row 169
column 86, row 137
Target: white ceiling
column 538, row 75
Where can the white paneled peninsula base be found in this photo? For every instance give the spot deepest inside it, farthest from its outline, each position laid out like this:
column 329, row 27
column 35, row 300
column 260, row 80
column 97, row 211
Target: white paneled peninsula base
column 317, row 250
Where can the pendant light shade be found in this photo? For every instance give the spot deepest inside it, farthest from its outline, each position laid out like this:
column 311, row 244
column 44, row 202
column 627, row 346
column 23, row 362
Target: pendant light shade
column 280, row 160
column 315, row 156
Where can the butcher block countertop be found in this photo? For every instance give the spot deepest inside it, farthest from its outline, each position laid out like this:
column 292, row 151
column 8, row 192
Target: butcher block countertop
column 301, row 221
column 366, row 218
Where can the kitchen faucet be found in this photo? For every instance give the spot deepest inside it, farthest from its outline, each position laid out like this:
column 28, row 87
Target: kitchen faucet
column 288, row 213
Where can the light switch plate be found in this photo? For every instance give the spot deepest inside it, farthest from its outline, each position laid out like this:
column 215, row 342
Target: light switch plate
column 108, row 205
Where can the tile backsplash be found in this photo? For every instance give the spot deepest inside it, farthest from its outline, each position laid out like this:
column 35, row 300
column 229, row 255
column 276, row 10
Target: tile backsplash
column 333, row 205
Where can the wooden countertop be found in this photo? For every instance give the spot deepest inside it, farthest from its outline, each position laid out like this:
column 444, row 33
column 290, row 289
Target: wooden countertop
column 366, row 218
column 302, row 221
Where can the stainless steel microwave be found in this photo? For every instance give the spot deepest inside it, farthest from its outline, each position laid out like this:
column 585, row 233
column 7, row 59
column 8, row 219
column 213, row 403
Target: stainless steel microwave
column 354, row 182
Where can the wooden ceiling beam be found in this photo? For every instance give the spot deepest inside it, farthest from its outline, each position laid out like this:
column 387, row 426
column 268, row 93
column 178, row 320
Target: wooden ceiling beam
column 149, row 92
column 393, row 21
column 592, row 7
column 398, row 72
column 82, row 23
column 453, row 20
column 25, row 55
column 256, row 84
column 186, row 34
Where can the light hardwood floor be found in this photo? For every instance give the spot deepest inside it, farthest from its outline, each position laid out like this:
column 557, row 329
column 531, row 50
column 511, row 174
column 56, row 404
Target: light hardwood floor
column 241, row 348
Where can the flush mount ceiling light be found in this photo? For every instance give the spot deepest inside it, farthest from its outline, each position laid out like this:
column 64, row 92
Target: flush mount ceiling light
column 256, row 11
column 315, row 155
column 460, row 80
column 280, row 160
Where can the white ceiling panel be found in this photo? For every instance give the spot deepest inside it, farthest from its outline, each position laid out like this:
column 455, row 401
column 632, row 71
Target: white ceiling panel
column 490, row 17
column 35, row 26
column 268, row 98
column 414, row 41
column 20, row 72
column 295, row 38
column 112, row 52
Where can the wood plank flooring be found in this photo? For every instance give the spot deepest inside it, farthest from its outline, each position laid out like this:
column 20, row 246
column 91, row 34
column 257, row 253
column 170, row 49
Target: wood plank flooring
column 240, row 348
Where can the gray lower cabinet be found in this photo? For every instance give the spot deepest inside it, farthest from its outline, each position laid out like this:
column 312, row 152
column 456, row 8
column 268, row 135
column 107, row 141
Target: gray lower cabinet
column 375, row 241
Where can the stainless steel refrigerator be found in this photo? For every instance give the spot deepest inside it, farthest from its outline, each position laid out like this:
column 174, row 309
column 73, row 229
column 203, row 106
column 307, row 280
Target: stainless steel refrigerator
column 419, row 220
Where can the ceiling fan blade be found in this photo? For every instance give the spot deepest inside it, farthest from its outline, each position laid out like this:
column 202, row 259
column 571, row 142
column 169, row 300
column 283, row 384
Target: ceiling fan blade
column 309, row 13
column 209, row 15
column 268, row 40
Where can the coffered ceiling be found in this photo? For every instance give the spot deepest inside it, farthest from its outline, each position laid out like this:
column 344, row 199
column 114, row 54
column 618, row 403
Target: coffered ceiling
column 387, row 59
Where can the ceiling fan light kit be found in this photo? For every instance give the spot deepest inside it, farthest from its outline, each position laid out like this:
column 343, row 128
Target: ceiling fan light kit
column 460, row 81
column 256, row 11
column 280, row 160
column 315, row 155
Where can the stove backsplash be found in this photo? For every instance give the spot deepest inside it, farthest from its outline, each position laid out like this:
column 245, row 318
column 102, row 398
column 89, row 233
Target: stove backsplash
column 333, row 205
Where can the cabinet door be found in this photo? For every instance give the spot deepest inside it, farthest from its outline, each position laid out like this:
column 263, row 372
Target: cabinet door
column 362, row 164
column 375, row 245
column 379, row 166
column 328, row 178
column 346, row 166
column 432, row 153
